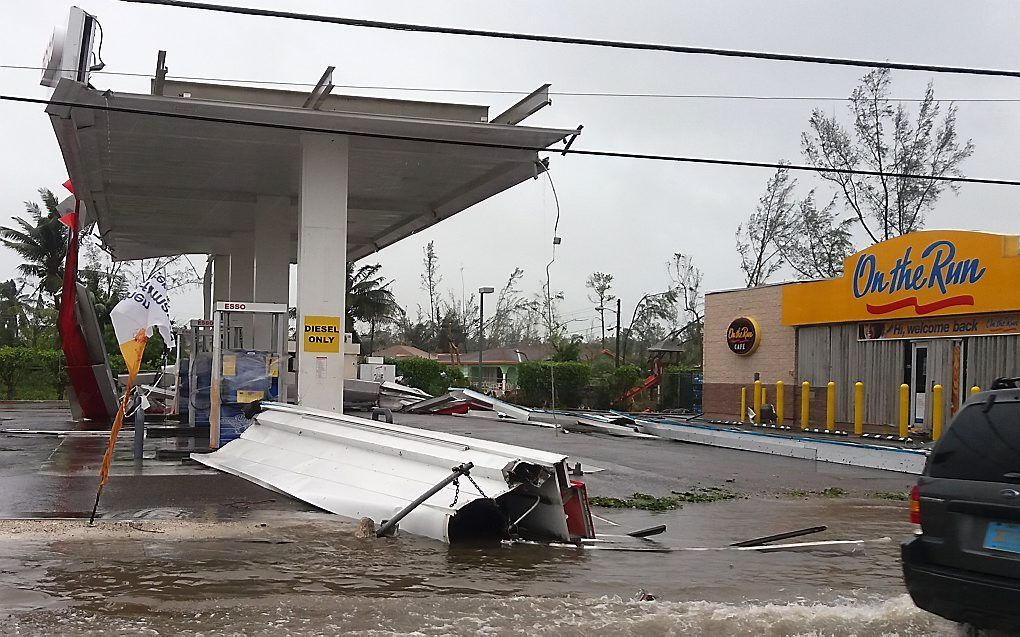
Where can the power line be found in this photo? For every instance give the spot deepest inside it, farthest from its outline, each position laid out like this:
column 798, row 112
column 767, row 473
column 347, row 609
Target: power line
column 556, row 39
column 565, row 151
column 469, row 91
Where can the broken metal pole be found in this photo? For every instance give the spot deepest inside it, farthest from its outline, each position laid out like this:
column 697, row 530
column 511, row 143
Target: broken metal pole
column 758, row 541
column 139, row 440
column 390, row 524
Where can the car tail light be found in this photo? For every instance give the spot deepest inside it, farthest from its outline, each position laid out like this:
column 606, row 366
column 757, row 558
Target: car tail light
column 915, row 505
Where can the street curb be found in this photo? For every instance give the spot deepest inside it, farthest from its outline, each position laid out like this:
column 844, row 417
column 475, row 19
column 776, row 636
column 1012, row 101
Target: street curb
column 35, row 404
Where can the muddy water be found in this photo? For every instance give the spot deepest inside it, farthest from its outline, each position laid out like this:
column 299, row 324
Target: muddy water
column 309, row 575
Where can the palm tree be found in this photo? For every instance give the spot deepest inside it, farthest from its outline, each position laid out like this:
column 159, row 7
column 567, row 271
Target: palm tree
column 42, row 242
column 368, row 299
column 12, row 312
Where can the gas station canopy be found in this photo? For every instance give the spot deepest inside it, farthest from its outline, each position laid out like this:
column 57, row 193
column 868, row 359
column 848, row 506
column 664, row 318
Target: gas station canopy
column 188, row 182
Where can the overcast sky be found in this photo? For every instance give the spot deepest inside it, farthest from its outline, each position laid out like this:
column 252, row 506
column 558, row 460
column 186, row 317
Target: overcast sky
column 625, row 217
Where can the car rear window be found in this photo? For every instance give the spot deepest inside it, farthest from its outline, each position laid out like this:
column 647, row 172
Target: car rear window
column 980, row 445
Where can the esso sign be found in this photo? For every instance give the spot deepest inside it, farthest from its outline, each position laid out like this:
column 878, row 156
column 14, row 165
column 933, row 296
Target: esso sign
column 234, row 306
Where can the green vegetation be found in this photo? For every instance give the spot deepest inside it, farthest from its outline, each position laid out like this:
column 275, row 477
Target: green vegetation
column 31, row 374
column 797, row 493
column 890, row 495
column 637, row 501
column 833, row 492
column 609, row 383
column 429, row 375
column 534, row 382
column 707, row 494
column 828, row 492
column 672, row 502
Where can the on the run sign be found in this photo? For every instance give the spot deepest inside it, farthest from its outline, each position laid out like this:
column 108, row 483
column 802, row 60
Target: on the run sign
column 743, row 335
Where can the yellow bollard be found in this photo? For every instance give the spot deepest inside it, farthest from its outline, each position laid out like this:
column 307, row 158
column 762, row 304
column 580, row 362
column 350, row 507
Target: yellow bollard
column 764, row 393
column 805, row 397
column 757, row 402
column 974, row 390
column 904, row 410
column 779, row 402
column 743, row 404
column 830, row 406
column 936, row 412
column 858, row 408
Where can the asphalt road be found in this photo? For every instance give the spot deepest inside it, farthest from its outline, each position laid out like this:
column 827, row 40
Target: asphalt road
column 657, row 466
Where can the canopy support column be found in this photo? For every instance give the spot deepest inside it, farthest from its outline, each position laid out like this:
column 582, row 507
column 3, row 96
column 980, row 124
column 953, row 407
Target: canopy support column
column 220, row 281
column 272, row 260
column 242, row 283
column 322, row 267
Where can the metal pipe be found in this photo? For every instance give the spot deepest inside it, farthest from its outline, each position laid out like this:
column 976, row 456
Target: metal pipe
column 458, row 471
column 743, row 404
column 481, row 336
column 538, row 499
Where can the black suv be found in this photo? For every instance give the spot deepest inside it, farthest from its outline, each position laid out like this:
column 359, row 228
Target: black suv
column 964, row 564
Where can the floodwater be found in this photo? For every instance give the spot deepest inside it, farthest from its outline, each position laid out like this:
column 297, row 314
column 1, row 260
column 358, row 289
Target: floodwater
column 305, row 573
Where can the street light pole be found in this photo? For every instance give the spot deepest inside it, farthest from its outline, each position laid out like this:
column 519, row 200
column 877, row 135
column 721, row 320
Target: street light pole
column 618, row 331
column 481, row 328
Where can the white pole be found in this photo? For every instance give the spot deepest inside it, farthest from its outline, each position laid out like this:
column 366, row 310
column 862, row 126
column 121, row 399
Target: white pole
column 321, row 272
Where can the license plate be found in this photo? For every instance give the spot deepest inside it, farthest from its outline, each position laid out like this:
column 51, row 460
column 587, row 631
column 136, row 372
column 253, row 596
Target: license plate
column 1003, row 537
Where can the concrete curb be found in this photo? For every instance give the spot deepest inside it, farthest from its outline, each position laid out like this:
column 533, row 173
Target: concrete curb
column 36, row 404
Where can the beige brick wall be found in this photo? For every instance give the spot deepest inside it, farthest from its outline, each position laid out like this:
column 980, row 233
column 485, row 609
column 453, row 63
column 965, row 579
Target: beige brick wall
column 776, row 356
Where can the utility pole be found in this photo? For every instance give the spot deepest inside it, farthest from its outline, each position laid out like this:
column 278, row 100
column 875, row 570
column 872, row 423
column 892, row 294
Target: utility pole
column 481, row 329
column 602, row 316
column 617, row 331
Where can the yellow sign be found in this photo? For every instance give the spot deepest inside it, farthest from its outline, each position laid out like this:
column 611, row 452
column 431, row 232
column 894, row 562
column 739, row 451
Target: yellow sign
column 249, row 395
column 929, row 273
column 949, row 327
column 322, row 334
column 229, row 365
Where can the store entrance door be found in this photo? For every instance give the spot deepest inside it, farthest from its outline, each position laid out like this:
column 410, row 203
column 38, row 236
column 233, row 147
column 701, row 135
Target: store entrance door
column 919, row 381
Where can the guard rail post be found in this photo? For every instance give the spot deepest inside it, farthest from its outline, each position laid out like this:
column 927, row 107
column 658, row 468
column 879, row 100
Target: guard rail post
column 757, row 402
column 858, row 408
column 830, row 406
column 805, row 399
column 904, row 410
column 779, row 402
column 936, row 412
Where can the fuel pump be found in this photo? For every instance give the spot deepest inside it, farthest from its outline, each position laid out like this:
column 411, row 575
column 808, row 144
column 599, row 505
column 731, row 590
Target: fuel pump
column 249, row 342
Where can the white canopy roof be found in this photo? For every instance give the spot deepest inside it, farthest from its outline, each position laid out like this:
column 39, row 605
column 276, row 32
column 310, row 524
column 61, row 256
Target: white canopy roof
column 165, row 185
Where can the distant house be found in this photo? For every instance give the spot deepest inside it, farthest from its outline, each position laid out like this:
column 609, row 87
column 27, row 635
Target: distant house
column 499, row 365
column 404, row 351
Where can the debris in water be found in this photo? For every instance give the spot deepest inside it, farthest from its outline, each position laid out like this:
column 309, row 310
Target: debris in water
column 366, row 529
column 637, row 501
column 834, row 492
column 890, row 495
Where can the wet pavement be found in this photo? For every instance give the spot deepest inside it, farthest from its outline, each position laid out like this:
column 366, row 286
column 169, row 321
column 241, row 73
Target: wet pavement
column 184, row 550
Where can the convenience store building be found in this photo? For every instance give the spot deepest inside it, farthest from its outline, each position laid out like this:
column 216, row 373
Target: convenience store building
column 939, row 307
